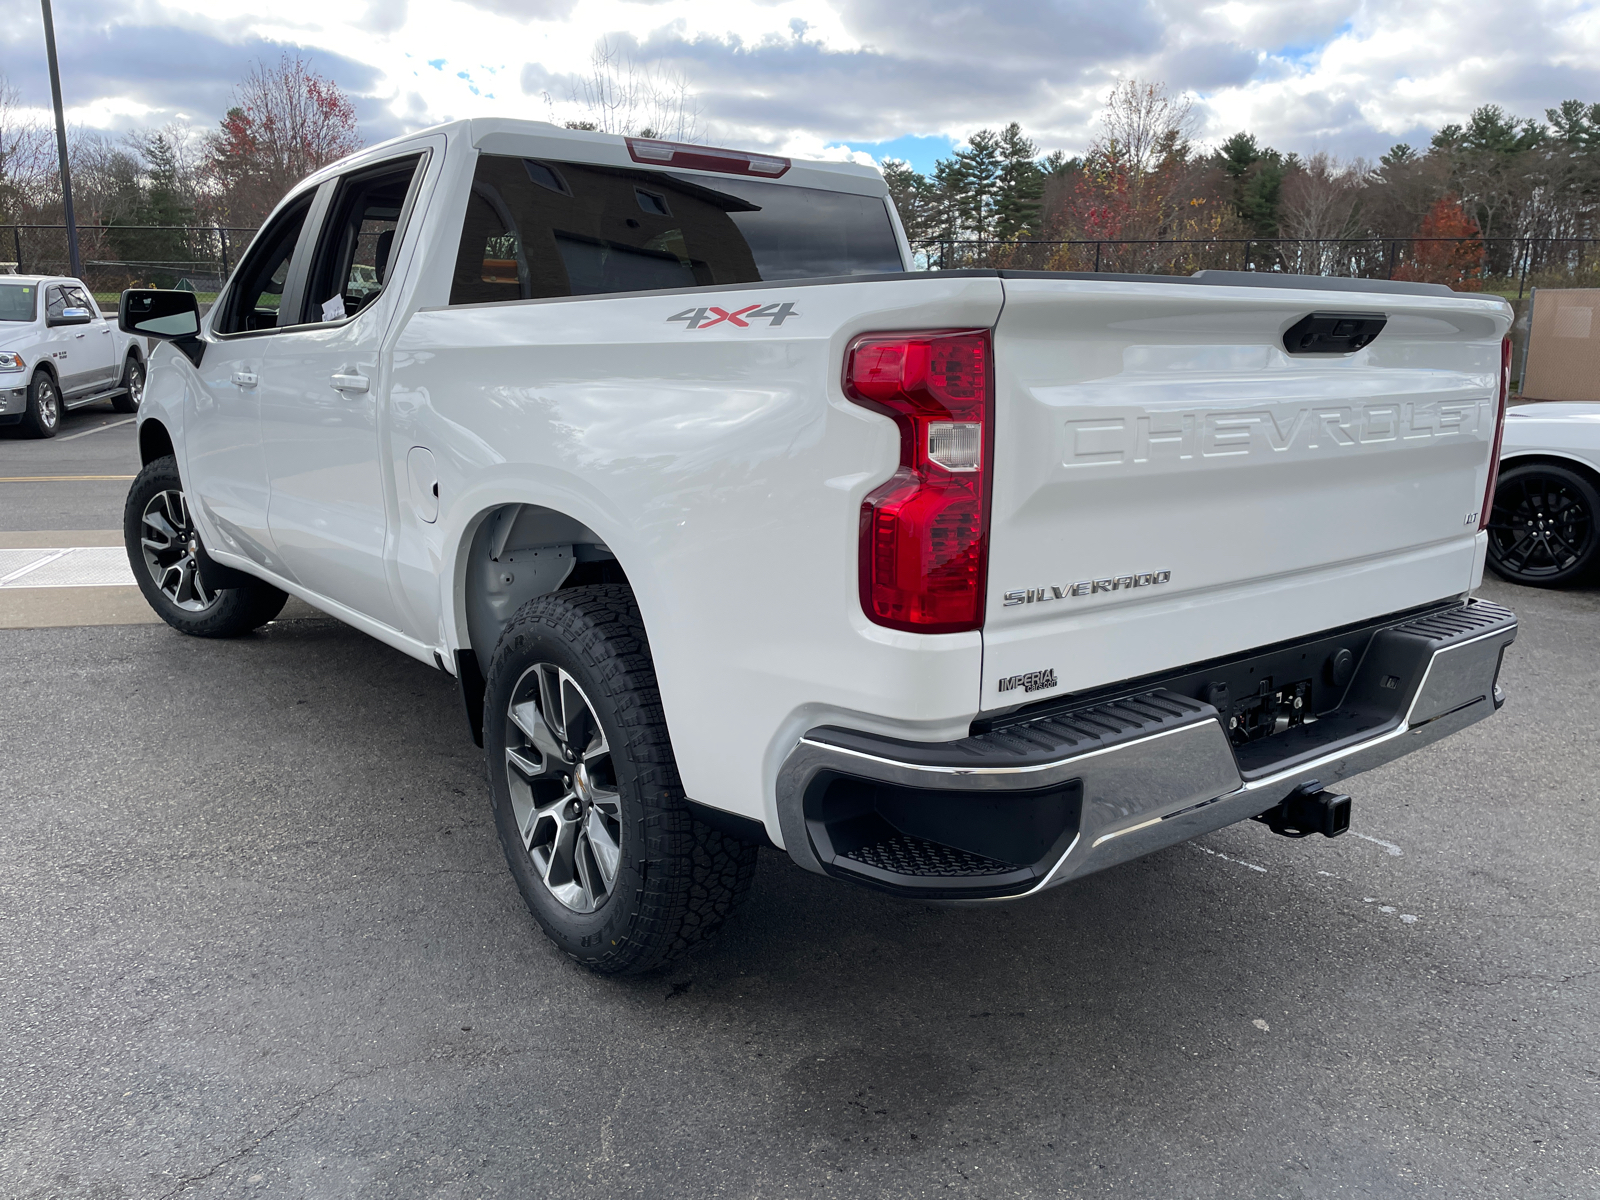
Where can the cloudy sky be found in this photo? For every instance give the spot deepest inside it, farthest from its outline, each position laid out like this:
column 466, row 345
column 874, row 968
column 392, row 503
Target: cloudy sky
column 831, row 77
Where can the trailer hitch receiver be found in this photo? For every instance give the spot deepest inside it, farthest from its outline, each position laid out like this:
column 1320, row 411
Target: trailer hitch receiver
column 1309, row 809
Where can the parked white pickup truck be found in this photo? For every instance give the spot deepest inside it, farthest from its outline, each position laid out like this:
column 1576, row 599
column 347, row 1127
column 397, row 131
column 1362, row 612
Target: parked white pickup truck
column 58, row 353
column 736, row 530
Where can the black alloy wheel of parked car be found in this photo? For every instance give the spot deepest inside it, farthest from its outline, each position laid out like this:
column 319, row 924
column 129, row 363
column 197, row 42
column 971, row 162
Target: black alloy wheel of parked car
column 1542, row 530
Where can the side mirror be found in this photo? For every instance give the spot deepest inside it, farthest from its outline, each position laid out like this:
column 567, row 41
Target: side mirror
column 70, row 316
column 170, row 316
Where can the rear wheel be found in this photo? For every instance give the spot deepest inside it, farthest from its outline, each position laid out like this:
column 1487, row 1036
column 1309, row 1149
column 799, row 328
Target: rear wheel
column 1542, row 528
column 586, row 795
column 164, row 551
column 132, row 386
column 45, row 410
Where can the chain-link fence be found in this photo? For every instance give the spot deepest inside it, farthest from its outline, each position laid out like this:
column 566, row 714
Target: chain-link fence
column 195, row 258
column 1507, row 265
column 199, row 257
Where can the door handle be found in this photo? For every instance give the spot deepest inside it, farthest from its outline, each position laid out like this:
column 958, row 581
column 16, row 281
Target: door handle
column 245, row 378
column 79, row 335
column 350, row 383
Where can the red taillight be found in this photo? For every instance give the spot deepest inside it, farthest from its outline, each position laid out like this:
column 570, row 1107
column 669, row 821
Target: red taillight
column 925, row 532
column 1499, row 433
column 705, row 158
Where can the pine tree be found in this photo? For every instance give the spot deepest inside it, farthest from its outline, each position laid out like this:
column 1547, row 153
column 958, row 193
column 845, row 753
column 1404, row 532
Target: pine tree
column 978, row 167
column 913, row 199
column 1020, row 186
column 1257, row 175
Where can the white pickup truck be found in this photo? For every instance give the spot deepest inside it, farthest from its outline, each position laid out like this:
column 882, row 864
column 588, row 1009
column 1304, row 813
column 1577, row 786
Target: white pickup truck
column 736, row 530
column 57, row 352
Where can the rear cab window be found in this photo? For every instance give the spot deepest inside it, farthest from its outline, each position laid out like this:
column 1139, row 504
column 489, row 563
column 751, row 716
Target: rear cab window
column 538, row 228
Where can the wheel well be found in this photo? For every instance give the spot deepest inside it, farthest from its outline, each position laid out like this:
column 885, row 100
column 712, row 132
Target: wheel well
column 154, row 442
column 519, row 551
column 47, row 368
column 1551, row 460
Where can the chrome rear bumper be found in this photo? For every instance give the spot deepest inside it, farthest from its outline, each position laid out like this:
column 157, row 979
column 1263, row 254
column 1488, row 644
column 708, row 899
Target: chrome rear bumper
column 1121, row 778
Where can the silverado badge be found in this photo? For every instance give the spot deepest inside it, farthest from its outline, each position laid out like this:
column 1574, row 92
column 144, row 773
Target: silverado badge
column 1086, row 587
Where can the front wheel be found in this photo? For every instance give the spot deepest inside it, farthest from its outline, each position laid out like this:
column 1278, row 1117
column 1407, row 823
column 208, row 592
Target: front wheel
column 132, row 386
column 586, row 795
column 164, row 551
column 1542, row 528
column 44, row 412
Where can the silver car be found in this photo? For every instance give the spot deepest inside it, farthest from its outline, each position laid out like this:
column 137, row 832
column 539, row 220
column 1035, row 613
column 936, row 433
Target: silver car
column 57, row 352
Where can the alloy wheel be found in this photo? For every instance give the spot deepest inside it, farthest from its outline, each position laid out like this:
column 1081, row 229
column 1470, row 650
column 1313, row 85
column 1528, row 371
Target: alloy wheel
column 1540, row 526
column 563, row 788
column 171, row 546
column 49, row 403
column 135, row 385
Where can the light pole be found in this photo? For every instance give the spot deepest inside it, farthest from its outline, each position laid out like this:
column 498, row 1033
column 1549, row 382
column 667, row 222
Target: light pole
column 61, row 141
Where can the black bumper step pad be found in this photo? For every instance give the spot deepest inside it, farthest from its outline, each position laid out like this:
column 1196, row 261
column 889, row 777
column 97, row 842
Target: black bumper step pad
column 1043, row 739
column 917, row 858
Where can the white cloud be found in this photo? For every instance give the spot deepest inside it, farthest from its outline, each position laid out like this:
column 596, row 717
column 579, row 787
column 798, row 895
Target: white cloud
column 809, row 77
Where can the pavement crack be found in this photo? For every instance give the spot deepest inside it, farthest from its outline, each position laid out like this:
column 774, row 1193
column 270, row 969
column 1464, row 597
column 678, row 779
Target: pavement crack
column 293, row 1115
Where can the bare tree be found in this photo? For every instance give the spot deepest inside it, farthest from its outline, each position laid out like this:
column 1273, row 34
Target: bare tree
column 27, row 157
column 287, row 121
column 1319, row 207
column 621, row 95
column 1145, row 126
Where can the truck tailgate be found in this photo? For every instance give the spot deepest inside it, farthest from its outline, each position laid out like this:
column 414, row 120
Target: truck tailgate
column 1170, row 485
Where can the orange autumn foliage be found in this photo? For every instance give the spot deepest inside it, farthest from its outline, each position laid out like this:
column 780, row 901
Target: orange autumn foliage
column 1457, row 264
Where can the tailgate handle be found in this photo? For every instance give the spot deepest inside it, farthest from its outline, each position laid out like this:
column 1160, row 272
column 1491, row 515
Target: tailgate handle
column 1333, row 332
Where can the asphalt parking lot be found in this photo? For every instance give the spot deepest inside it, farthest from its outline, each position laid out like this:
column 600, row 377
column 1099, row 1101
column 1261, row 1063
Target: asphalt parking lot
column 257, row 939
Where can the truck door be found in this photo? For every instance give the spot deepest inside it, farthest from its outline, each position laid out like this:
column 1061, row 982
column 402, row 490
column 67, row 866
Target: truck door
column 99, row 347
column 224, row 465
column 321, row 389
column 72, row 341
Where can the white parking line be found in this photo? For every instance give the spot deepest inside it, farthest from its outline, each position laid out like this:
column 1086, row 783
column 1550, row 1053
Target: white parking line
column 1227, row 858
column 1389, row 846
column 97, row 429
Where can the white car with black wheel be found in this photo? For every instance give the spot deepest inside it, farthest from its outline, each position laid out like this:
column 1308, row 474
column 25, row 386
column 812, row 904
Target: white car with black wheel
column 58, row 353
column 1542, row 528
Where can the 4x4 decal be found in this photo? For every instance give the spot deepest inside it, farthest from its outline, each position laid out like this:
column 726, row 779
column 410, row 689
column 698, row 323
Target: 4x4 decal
column 705, row 318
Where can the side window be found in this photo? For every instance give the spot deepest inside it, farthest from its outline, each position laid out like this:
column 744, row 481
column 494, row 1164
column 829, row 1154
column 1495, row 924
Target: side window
column 77, row 297
column 257, row 292
column 55, row 301
column 358, row 239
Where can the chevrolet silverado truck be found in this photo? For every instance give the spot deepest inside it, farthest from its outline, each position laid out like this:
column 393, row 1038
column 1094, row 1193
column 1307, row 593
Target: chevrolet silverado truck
column 735, row 530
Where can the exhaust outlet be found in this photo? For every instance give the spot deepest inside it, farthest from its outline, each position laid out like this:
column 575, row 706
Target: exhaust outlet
column 1309, row 809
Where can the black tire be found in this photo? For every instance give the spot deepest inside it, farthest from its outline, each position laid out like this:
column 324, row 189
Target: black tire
column 676, row 880
column 1543, row 528
column 45, row 406
column 168, row 575
column 132, row 386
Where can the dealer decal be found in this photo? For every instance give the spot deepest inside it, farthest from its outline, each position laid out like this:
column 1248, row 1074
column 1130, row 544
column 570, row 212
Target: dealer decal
column 1029, row 681
column 739, row 318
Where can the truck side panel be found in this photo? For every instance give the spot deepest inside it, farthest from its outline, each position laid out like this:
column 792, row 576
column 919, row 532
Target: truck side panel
column 725, row 469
